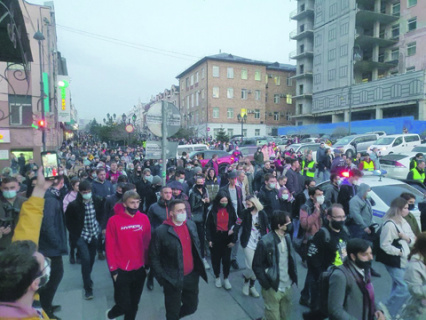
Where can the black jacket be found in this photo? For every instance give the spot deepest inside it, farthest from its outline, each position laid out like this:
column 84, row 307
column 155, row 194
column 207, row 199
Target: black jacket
column 266, row 256
column 240, row 206
column 167, row 258
column 109, row 209
column 259, row 179
column 151, row 195
column 246, row 225
column 198, row 207
column 158, row 213
column 53, row 234
column 270, row 200
column 347, row 191
column 74, row 216
column 211, row 223
column 142, row 188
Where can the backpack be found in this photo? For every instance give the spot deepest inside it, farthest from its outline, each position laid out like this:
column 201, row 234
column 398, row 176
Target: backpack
column 381, row 255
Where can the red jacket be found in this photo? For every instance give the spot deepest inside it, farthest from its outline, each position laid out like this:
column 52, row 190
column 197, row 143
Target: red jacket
column 127, row 240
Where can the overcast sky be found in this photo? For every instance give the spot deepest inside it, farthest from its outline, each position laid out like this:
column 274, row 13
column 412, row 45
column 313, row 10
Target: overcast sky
column 156, row 40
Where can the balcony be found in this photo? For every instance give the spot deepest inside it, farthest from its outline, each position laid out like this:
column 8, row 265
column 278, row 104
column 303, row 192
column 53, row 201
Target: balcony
column 306, row 54
column 303, row 95
column 368, row 65
column 304, row 74
column 368, row 18
column 299, row 14
column 369, row 41
column 295, row 35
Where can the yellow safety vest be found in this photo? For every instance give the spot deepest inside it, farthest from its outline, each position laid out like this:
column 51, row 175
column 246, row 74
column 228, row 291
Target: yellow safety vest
column 368, row 166
column 310, row 165
column 417, row 176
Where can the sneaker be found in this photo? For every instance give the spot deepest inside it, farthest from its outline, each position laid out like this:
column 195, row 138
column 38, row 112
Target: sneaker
column 150, row 284
column 254, row 293
column 88, row 295
column 218, row 283
column 106, row 315
column 246, row 287
column 227, row 284
column 56, row 308
column 206, row 264
column 234, row 265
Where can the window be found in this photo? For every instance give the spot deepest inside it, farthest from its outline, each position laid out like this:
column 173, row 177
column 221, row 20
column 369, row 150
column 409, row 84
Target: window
column 411, row 69
column 411, row 49
column 230, row 113
column 187, row 82
column 230, row 73
column 21, row 111
column 230, row 93
column 301, row 69
column 197, row 98
column 333, row 9
column 301, row 89
column 331, row 34
column 395, row 30
column 289, row 81
column 411, row 3
column 395, row 54
column 244, row 132
column 344, row 29
column 301, row 28
column 317, row 59
column 244, row 94
column 277, row 80
column 302, row 48
column 187, row 102
column 257, row 75
column 257, row 132
column 276, row 98
column 203, row 73
column 192, row 80
column 215, row 72
column 412, row 24
column 276, row 116
column 397, row 141
column 257, row 95
column 331, row 54
column 230, row 132
column 257, row 113
column 396, row 7
column 215, row 113
column 331, row 74
column 244, row 74
column 318, row 40
column 215, row 92
column 317, row 78
column 203, row 94
column 411, row 138
column 343, row 71
column 344, row 50
column 192, row 101
column 196, row 77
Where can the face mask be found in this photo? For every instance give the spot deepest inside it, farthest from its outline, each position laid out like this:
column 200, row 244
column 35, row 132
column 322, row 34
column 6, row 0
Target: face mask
column 199, row 186
column 272, row 185
column 339, row 182
column 189, row 167
column 366, row 265
column 87, row 196
column 181, row 217
column 284, row 196
column 149, row 178
column 410, row 206
column 338, row 225
column 355, row 183
column 224, row 204
column 251, row 208
column 132, row 211
column 9, row 194
column 44, row 279
column 119, row 195
column 181, row 180
column 94, row 175
column 320, row 199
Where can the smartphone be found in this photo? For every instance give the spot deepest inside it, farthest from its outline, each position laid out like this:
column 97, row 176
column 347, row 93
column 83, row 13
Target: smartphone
column 49, row 160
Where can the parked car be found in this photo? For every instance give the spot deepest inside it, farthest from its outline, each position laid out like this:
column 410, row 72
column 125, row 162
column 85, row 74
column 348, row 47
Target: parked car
column 419, row 149
column 248, row 152
column 397, row 165
column 302, row 147
column 383, row 191
column 350, row 145
column 188, row 148
column 396, row 143
column 224, row 158
column 309, row 140
column 380, row 133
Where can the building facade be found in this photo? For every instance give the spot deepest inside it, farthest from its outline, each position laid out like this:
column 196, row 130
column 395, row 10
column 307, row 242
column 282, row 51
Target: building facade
column 218, row 88
column 359, row 60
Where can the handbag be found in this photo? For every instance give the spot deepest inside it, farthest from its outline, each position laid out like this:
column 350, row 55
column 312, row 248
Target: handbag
column 387, row 259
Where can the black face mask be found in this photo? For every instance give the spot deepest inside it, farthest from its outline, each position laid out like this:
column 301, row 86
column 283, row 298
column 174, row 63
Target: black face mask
column 366, row 265
column 411, row 207
column 132, row 211
column 338, row 225
column 119, row 195
column 252, row 208
column 289, row 229
column 200, row 186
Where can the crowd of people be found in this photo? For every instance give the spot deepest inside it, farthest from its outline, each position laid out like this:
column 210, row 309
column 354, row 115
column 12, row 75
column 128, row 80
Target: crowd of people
column 112, row 204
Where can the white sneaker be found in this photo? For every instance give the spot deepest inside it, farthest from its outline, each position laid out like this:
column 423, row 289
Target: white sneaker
column 246, row 287
column 227, row 284
column 106, row 315
column 254, row 293
column 218, row 283
column 206, row 264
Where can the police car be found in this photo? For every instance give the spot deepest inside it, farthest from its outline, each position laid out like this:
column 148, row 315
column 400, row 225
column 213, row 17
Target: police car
column 383, row 191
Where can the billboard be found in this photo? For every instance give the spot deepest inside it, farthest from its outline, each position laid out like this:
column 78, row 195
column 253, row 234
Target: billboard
column 63, row 98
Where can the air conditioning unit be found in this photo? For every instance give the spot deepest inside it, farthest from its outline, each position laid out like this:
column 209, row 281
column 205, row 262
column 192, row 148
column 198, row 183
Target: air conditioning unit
column 269, row 76
column 249, row 91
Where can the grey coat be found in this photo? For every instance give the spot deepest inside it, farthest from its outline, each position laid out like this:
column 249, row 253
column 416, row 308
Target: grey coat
column 360, row 210
column 415, row 276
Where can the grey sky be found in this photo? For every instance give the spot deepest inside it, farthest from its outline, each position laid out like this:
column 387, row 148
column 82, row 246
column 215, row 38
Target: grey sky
column 110, row 77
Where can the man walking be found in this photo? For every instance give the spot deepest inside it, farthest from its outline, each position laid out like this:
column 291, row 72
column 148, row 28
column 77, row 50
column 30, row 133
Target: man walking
column 179, row 270
column 127, row 241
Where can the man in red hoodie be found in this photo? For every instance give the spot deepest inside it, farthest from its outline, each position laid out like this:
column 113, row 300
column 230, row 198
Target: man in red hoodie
column 128, row 235
column 176, row 260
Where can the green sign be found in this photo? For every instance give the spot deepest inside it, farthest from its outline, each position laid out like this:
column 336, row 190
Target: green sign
column 46, row 92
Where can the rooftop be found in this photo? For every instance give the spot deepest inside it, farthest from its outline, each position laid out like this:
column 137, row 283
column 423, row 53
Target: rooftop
column 227, row 57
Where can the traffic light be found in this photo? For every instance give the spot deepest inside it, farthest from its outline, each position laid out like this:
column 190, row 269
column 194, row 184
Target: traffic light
column 41, row 124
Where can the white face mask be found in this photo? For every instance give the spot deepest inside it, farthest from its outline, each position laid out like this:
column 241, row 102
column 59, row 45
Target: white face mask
column 181, row 217
column 320, row 199
column 284, row 196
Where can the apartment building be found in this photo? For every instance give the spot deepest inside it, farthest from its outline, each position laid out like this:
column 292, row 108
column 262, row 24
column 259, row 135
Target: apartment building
column 217, row 89
column 359, row 60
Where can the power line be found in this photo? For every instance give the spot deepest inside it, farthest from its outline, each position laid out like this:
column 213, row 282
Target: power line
column 134, row 45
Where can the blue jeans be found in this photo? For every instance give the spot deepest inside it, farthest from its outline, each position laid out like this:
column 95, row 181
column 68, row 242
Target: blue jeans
column 325, row 175
column 296, row 225
column 399, row 293
column 87, row 256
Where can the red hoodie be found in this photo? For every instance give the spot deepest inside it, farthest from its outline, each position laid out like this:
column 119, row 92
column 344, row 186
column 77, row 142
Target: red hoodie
column 127, row 240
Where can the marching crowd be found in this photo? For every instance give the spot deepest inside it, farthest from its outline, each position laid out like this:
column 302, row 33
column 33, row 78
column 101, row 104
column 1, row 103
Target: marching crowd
column 111, row 203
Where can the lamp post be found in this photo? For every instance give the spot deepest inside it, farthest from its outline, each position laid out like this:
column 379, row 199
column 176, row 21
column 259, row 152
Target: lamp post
column 242, row 117
column 40, row 37
column 355, row 57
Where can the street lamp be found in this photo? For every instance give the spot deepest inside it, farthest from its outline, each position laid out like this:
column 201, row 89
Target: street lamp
column 355, row 57
column 40, row 37
column 242, row 117
column 124, row 117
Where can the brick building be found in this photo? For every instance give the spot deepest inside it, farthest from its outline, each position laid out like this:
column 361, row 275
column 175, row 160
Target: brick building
column 217, row 88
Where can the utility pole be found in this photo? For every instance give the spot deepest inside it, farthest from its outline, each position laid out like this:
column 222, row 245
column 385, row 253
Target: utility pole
column 40, row 37
column 164, row 113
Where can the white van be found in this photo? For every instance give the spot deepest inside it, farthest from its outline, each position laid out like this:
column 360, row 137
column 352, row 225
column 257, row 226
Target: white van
column 188, row 148
column 396, row 143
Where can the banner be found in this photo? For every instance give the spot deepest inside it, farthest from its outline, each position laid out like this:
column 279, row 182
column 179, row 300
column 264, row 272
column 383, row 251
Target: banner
column 64, row 101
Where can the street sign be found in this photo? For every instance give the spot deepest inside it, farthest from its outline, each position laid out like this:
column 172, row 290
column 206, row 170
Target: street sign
column 154, row 119
column 4, row 136
column 129, row 128
column 153, row 150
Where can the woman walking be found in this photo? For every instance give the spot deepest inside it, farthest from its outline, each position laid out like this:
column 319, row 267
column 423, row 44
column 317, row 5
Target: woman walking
column 71, row 196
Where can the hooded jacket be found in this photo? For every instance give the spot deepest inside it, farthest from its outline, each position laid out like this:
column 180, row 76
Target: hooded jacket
column 347, row 191
column 127, row 240
column 158, row 213
column 361, row 212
